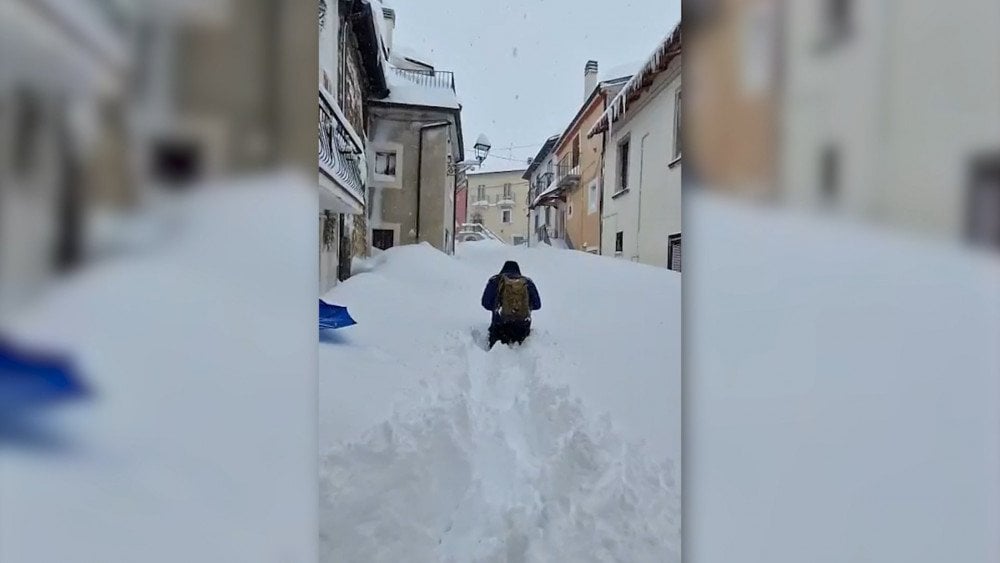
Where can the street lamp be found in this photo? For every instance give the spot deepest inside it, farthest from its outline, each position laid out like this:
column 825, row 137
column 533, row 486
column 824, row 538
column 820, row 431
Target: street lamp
column 482, row 147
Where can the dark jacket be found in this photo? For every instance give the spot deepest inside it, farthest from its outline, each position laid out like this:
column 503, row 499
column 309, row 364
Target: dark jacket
column 490, row 296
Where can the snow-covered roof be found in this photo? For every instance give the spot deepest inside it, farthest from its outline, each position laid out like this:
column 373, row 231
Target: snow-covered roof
column 552, row 188
column 409, row 88
column 405, row 57
column 543, row 153
column 619, row 71
column 380, row 26
column 657, row 62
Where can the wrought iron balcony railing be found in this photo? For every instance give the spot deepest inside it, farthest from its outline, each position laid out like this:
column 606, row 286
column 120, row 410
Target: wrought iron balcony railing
column 432, row 78
column 566, row 173
column 340, row 154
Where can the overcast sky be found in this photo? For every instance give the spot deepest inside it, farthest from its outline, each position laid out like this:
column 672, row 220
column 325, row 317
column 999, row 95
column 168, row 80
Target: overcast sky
column 519, row 63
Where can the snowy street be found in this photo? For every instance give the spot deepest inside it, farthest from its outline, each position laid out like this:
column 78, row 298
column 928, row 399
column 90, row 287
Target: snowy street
column 568, row 448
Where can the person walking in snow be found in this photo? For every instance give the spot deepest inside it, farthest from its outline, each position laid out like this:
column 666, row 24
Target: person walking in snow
column 511, row 297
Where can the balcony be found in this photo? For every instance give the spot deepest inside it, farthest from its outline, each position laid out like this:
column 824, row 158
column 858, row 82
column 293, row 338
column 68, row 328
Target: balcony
column 567, row 176
column 429, row 78
column 340, row 151
column 476, row 231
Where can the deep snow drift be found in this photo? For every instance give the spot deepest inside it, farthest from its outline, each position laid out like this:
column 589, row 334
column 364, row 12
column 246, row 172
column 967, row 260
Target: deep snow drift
column 842, row 392
column 566, row 449
column 200, row 350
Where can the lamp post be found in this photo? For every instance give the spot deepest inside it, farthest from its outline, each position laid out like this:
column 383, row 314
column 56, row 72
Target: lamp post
column 482, row 148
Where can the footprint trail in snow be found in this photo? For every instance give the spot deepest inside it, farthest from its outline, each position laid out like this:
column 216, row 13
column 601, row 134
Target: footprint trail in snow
column 495, row 462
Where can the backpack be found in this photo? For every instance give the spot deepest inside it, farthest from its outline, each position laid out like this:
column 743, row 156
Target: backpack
column 514, row 303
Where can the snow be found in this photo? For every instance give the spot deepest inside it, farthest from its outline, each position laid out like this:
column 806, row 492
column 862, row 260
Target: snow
column 200, row 349
column 842, row 401
column 404, row 91
column 669, row 47
column 566, row 449
column 551, row 188
column 619, row 71
column 400, row 54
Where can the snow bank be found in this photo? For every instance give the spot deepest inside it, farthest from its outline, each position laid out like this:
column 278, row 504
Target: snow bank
column 843, row 398
column 200, row 354
column 435, row 450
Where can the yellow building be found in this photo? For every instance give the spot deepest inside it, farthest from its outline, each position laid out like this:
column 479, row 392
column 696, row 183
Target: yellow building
column 499, row 202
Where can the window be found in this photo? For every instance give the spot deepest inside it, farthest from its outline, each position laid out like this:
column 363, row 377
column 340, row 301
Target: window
column 481, row 193
column 674, row 252
column 508, row 193
column 569, row 210
column 548, row 215
column 385, row 163
column 537, row 220
column 836, row 21
column 619, row 241
column 829, row 173
column 592, row 197
column 575, row 159
column 677, row 125
column 623, row 165
column 177, row 162
column 505, row 215
column 983, row 203
column 477, row 218
column 518, row 240
column 383, row 239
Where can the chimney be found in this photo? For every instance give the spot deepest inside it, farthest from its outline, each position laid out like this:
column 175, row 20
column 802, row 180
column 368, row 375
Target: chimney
column 589, row 78
column 389, row 15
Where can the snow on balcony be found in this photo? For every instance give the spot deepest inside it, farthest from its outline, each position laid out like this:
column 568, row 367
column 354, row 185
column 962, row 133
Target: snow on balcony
column 432, row 88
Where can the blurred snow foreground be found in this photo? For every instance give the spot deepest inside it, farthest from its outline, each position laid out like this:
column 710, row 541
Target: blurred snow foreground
column 199, row 349
column 843, row 396
column 565, row 449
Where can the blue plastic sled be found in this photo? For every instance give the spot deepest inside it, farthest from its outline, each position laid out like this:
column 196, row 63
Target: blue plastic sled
column 29, row 379
column 334, row 316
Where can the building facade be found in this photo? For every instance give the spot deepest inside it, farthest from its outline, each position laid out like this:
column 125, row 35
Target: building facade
column 868, row 134
column 735, row 70
column 576, row 192
column 63, row 135
column 641, row 130
column 543, row 224
column 353, row 56
column 499, row 202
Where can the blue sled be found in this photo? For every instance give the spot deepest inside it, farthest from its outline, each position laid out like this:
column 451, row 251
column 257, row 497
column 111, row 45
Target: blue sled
column 334, row 316
column 30, row 379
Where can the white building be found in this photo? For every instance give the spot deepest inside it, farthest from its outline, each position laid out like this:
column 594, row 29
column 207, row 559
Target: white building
column 641, row 219
column 891, row 112
column 353, row 57
column 62, row 87
column 543, row 221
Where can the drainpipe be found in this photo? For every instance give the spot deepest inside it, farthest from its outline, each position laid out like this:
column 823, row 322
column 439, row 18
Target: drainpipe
column 600, row 185
column 454, row 209
column 420, row 166
column 638, row 221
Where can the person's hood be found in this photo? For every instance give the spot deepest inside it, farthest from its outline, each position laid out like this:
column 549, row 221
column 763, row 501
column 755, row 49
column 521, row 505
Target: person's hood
column 510, row 267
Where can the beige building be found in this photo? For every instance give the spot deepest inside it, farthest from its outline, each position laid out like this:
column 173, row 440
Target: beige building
column 499, row 202
column 734, row 67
